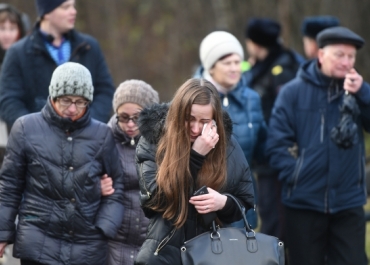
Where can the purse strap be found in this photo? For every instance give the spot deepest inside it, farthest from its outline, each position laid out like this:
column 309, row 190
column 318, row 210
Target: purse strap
column 242, row 211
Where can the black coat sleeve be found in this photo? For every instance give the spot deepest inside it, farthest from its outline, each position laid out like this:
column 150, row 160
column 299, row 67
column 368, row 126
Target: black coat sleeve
column 363, row 99
column 240, row 184
column 110, row 215
column 147, row 170
column 12, row 182
column 12, row 92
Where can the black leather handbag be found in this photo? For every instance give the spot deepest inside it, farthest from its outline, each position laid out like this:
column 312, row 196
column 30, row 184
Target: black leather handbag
column 233, row 246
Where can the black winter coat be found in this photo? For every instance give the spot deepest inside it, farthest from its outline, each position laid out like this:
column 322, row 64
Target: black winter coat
column 28, row 67
column 163, row 242
column 266, row 77
column 51, row 178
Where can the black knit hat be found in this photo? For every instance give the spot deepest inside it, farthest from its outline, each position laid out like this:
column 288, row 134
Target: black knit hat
column 263, row 31
column 339, row 35
column 46, row 6
column 311, row 26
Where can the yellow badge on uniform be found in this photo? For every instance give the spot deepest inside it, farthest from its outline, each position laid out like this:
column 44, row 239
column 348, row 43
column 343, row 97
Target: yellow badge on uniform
column 277, row 70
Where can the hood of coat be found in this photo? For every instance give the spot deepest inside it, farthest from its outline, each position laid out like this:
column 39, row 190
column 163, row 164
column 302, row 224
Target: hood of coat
column 152, row 120
column 311, row 73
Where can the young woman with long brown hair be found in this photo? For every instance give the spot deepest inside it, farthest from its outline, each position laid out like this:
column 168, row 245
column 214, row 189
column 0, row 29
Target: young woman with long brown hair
column 185, row 145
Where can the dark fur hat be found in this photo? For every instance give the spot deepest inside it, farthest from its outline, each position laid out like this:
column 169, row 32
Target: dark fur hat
column 311, row 26
column 263, row 31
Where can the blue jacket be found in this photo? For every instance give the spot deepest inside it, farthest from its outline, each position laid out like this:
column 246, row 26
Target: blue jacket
column 323, row 177
column 249, row 127
column 28, row 67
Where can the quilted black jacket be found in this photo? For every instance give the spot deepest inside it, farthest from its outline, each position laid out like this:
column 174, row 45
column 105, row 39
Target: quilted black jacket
column 51, row 178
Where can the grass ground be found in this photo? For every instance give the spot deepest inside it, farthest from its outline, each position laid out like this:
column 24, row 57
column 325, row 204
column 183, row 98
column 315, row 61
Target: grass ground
column 367, row 247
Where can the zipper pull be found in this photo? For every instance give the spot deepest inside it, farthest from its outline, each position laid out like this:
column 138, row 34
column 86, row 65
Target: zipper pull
column 322, row 127
column 132, row 142
column 225, row 101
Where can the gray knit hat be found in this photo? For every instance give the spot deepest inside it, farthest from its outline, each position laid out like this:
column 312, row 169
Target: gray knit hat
column 135, row 91
column 71, row 79
column 216, row 45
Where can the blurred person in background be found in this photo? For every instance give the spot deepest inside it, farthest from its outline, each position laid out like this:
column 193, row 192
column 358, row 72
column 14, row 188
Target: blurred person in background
column 51, row 178
column 311, row 26
column 221, row 55
column 130, row 98
column 29, row 64
column 13, row 26
column 274, row 66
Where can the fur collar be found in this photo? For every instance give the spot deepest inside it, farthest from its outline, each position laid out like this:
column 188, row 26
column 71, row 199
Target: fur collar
column 152, row 119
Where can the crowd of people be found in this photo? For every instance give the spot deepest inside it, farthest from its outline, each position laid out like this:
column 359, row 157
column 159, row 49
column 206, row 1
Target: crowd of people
column 98, row 175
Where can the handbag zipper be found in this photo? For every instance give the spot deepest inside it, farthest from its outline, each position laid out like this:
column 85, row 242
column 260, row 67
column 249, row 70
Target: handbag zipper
column 164, row 241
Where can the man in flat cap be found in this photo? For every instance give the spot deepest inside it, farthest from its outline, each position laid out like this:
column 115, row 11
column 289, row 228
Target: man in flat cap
column 29, row 64
column 311, row 26
column 323, row 184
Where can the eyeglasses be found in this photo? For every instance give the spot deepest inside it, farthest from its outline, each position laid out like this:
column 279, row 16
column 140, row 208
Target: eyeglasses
column 66, row 102
column 124, row 118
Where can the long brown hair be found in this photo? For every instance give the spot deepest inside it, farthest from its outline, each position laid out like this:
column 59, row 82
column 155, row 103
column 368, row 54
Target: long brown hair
column 174, row 179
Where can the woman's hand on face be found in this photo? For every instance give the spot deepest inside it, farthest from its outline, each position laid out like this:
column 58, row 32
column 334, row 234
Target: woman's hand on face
column 207, row 140
column 211, row 202
column 106, row 185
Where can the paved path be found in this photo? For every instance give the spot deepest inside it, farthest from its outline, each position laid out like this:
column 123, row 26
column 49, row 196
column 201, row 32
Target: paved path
column 9, row 260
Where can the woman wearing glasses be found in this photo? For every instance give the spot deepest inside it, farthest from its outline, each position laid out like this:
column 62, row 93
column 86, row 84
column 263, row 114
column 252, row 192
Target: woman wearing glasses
column 129, row 99
column 51, row 178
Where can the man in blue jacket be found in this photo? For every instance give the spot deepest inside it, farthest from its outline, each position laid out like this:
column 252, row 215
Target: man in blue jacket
column 29, row 63
column 323, row 183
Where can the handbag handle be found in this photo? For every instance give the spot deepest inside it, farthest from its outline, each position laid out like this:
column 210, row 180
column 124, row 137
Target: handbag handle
column 247, row 227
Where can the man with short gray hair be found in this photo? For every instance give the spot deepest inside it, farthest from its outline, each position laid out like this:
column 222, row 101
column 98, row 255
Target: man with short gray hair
column 323, row 112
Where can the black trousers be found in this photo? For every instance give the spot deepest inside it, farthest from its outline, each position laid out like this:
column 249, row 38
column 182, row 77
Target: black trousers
column 270, row 208
column 28, row 262
column 314, row 238
column 2, row 153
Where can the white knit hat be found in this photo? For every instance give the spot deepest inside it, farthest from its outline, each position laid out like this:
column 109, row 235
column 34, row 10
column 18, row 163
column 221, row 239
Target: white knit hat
column 218, row 44
column 71, row 79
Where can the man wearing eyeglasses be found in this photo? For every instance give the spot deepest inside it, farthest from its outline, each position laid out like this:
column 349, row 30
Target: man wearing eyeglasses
column 51, row 178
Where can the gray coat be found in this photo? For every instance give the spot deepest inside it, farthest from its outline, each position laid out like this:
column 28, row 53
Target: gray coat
column 124, row 247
